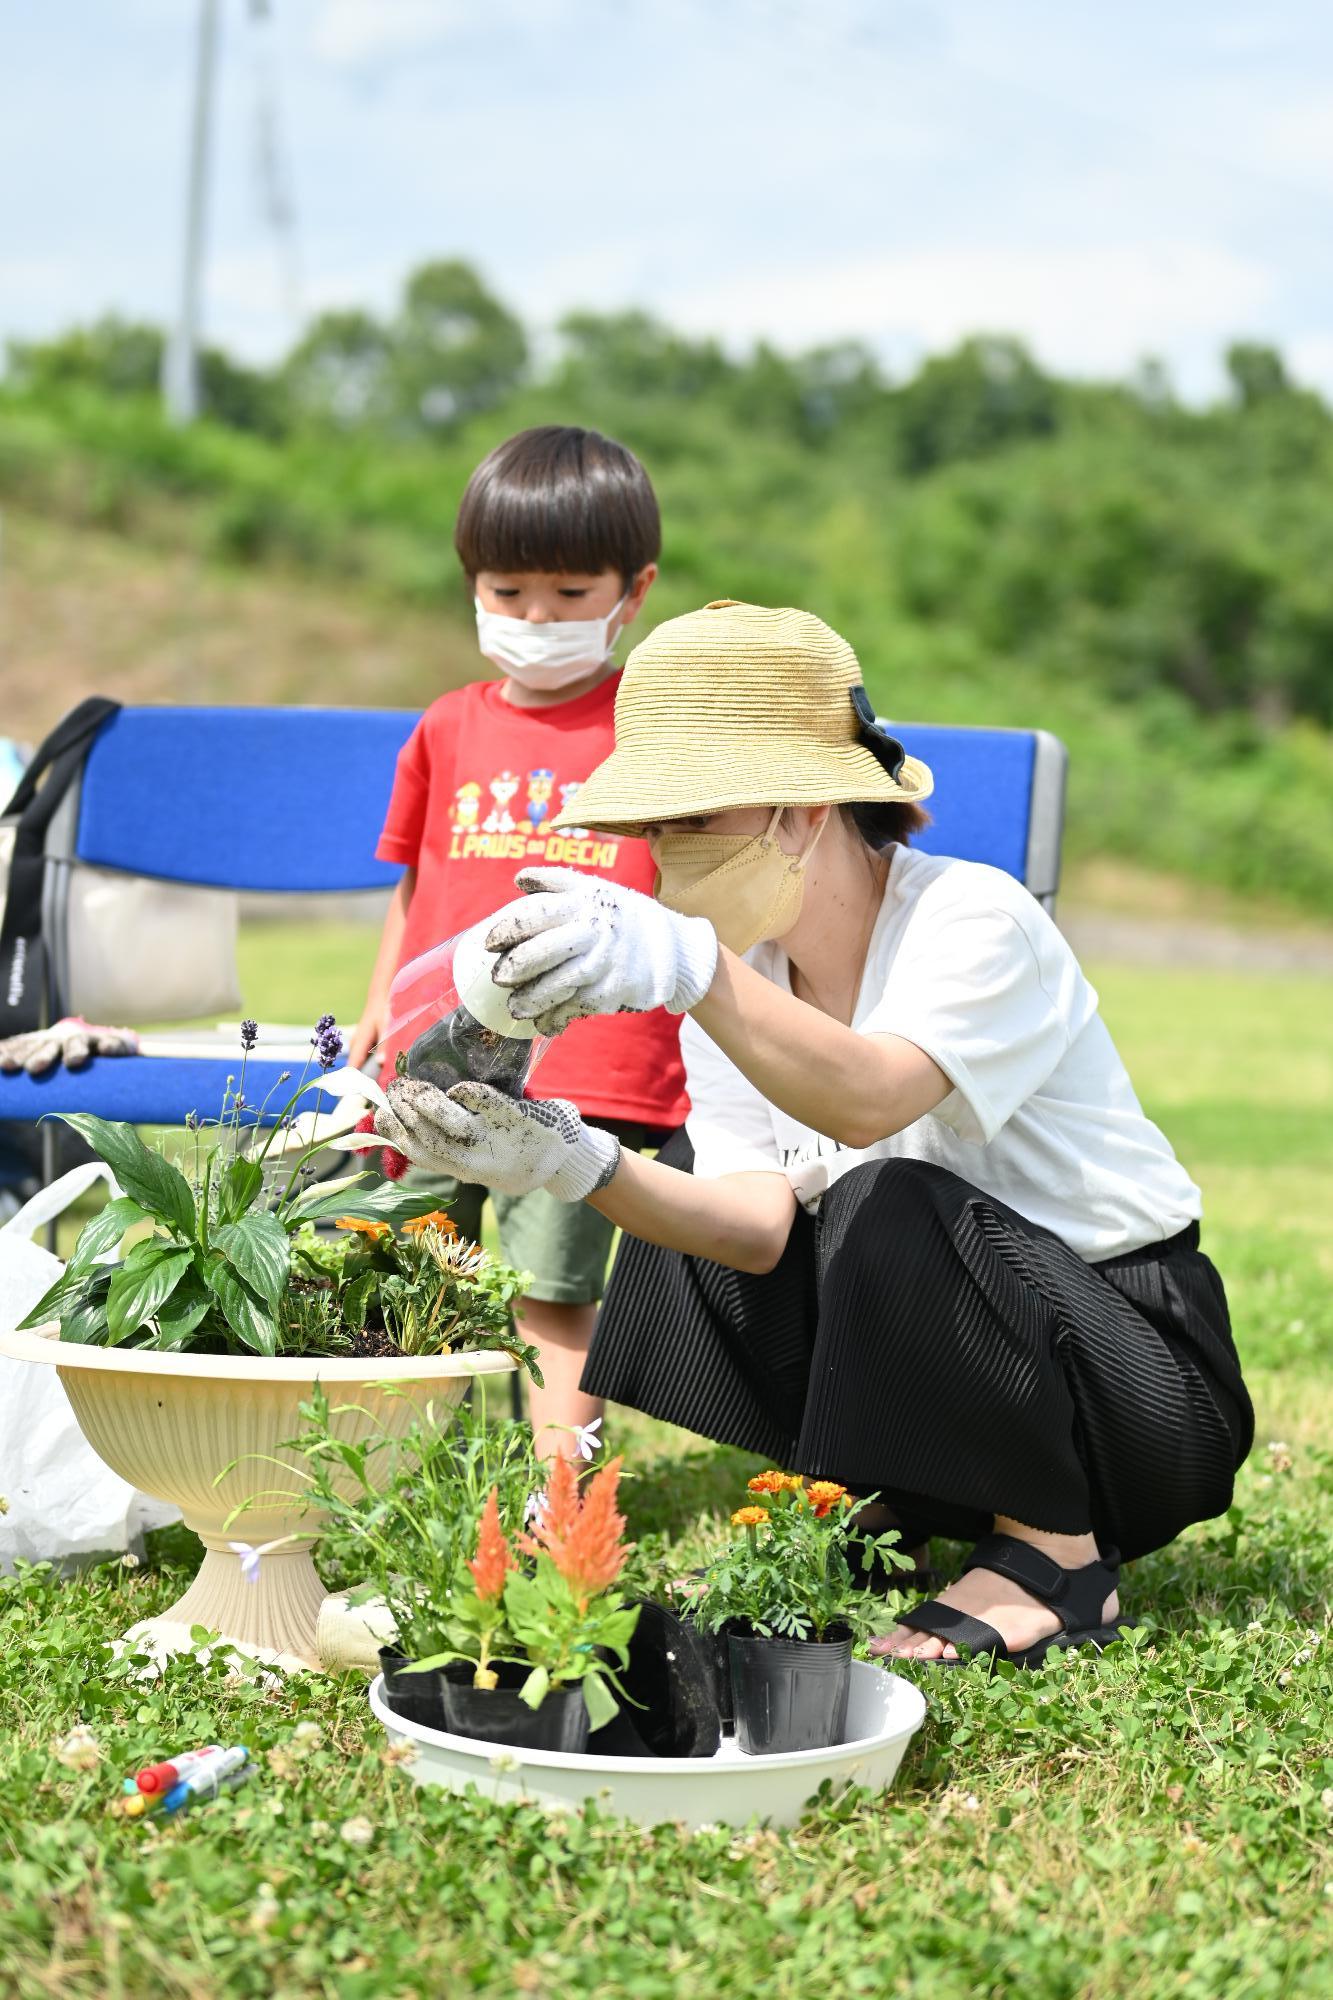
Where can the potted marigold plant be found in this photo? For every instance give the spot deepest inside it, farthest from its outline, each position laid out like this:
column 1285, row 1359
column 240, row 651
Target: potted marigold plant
column 536, row 1627
column 784, row 1594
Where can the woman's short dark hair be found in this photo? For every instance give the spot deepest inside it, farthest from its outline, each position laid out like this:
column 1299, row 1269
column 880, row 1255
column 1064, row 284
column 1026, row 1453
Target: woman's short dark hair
column 561, row 500
column 882, row 823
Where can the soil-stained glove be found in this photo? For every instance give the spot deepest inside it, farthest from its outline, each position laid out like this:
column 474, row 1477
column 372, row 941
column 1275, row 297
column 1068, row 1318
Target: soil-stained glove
column 575, row 946
column 72, row 1041
column 513, row 1144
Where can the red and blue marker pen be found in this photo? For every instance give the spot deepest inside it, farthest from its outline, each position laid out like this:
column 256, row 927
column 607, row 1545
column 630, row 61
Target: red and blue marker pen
column 208, row 1784
column 161, row 1777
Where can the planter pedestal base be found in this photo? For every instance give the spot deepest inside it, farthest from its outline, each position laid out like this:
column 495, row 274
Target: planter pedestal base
column 208, row 1433
column 274, row 1619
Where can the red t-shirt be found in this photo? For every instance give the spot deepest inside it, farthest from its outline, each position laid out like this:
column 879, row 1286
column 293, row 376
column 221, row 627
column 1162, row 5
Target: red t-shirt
column 477, row 782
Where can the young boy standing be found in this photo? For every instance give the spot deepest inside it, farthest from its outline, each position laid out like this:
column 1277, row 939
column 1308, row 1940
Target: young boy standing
column 558, row 534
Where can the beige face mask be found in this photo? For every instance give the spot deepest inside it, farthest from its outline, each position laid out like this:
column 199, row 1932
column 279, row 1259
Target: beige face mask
column 745, row 884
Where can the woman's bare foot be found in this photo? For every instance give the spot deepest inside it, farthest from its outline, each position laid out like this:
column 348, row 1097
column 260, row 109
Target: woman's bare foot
column 1020, row 1619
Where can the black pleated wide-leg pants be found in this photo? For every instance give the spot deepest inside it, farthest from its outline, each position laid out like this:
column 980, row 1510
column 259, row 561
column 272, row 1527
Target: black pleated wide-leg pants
column 921, row 1340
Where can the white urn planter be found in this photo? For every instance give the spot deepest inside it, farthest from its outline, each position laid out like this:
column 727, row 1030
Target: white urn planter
column 171, row 1423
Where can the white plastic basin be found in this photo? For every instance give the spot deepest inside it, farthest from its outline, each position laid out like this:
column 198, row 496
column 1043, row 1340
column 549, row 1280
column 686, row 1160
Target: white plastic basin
column 729, row 1789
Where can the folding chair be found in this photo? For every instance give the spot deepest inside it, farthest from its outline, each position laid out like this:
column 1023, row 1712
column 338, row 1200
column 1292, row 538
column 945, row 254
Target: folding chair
column 275, row 800
column 999, row 797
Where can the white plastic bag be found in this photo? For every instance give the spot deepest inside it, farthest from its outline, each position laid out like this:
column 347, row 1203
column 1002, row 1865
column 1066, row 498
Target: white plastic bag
column 63, row 1502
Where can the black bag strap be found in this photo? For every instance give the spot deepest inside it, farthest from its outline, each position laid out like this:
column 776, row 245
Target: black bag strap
column 59, row 759
column 76, row 728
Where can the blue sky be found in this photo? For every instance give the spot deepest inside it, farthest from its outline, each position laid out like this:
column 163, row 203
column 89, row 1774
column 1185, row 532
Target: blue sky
column 1108, row 181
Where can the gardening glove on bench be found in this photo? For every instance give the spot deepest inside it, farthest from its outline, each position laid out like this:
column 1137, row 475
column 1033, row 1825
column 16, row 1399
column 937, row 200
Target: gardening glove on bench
column 513, row 1144
column 72, row 1041
column 575, row 946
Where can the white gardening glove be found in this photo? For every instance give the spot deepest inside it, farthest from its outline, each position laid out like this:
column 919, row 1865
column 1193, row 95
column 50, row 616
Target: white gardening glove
column 575, row 945
column 72, row 1041
column 513, row 1144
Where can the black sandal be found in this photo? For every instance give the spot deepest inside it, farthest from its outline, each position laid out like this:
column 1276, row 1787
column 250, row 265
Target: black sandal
column 1075, row 1595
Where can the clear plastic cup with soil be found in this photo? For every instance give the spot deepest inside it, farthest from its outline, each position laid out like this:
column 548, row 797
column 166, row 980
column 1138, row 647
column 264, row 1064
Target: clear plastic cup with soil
column 453, row 1024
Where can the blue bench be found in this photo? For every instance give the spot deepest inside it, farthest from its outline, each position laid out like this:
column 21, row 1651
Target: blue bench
column 291, row 800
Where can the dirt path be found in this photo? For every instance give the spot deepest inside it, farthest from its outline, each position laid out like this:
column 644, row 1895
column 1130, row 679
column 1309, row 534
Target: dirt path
column 1221, row 947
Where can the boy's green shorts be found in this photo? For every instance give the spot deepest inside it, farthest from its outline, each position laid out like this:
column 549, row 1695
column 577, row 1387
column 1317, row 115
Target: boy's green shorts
column 565, row 1244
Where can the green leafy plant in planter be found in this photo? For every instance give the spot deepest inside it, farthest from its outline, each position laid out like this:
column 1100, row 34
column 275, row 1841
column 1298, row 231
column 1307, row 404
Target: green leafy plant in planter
column 225, row 1257
column 785, row 1598
column 422, row 1289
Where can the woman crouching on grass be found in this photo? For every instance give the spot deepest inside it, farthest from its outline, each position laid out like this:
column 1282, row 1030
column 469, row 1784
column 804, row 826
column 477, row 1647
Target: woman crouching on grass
column 917, row 1236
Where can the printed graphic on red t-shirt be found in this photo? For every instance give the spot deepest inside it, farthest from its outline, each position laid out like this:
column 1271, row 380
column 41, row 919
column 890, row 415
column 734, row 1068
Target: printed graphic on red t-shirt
column 478, row 782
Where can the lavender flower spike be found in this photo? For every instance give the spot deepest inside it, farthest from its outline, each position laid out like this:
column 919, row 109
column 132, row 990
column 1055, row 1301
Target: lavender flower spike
column 249, row 1034
column 326, row 1041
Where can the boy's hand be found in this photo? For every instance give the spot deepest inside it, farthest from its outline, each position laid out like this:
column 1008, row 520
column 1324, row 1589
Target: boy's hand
column 511, row 1144
column 576, row 945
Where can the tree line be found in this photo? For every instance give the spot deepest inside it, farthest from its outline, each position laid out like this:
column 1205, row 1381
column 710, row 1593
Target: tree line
column 1151, row 579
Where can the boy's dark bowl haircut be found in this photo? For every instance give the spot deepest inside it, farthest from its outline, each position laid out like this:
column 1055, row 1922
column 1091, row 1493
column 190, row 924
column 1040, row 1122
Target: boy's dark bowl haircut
column 561, row 501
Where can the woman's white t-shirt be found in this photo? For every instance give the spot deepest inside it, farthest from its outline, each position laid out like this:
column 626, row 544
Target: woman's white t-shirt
column 967, row 965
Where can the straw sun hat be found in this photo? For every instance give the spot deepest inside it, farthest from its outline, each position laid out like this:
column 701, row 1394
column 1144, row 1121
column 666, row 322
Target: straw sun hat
column 739, row 705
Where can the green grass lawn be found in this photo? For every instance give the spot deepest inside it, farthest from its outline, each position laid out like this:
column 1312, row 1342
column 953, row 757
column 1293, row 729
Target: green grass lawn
column 1159, row 1823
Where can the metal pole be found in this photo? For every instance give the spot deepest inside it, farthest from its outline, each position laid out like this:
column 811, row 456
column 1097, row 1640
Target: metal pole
column 180, row 360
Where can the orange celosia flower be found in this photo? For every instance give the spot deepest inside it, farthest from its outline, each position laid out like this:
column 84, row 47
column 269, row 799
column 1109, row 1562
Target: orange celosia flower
column 824, row 1495
column 750, row 1517
column 581, row 1534
column 493, row 1560
column 437, row 1219
column 362, row 1227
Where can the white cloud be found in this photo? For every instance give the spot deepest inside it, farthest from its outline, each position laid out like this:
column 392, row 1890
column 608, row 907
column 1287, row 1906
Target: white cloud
column 1311, row 361
column 1299, row 137
column 1088, row 309
column 348, row 33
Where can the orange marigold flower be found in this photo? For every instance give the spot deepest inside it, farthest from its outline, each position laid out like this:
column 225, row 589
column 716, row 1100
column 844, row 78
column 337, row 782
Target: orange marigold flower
column 773, row 1481
column 824, row 1495
column 437, row 1219
column 750, row 1517
column 493, row 1560
column 362, row 1227
column 767, row 1482
column 581, row 1533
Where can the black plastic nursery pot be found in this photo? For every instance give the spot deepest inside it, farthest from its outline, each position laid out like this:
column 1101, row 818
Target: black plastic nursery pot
column 416, row 1697
column 500, row 1715
column 713, row 1648
column 789, row 1694
column 666, row 1690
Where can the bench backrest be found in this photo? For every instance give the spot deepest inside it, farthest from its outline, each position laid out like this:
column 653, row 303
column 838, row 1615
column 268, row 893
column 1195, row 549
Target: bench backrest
column 288, row 799
column 293, row 799
column 999, row 797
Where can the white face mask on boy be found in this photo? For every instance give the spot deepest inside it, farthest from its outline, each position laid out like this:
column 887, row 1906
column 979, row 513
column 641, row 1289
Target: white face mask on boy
column 547, row 657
